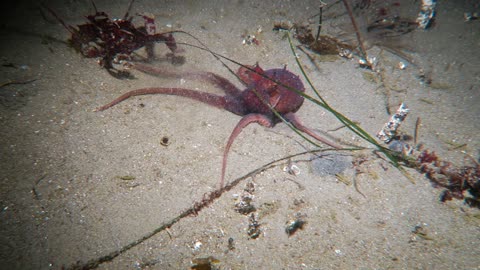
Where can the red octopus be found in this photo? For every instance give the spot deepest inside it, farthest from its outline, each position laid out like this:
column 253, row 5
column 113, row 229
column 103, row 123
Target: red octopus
column 256, row 103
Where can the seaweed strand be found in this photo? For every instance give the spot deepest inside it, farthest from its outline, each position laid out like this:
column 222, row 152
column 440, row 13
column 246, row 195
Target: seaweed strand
column 363, row 52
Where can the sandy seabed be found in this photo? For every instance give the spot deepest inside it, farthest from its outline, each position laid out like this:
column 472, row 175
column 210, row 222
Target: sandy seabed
column 77, row 185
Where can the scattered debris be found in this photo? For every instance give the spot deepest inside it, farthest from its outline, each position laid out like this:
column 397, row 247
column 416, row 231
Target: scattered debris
column 245, row 206
column 112, row 40
column 207, row 263
column 283, row 25
column 456, row 180
column 324, row 45
column 389, row 130
column 125, row 177
column 320, row 44
column 146, row 264
column 357, row 165
column 291, row 168
column 294, row 224
column 421, row 232
column 346, row 53
column 469, row 16
column 425, row 77
column 344, row 179
column 254, row 230
column 231, row 244
column 249, row 39
column 426, row 15
column 363, row 51
column 401, row 146
column 415, row 132
column 23, row 81
column 128, row 181
column 391, row 26
column 368, row 63
column 401, row 65
column 197, row 245
column 383, row 27
column 383, row 30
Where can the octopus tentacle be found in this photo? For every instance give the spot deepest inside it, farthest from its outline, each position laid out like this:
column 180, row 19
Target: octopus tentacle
column 245, row 121
column 212, row 78
column 299, row 125
column 228, row 104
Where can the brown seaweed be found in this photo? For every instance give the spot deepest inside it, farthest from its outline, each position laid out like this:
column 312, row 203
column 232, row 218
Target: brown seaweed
column 112, row 40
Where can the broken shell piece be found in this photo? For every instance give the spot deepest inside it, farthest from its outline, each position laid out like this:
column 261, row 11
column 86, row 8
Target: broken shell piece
column 346, row 53
column 250, row 39
column 291, row 169
column 369, row 63
column 401, row 65
column 197, row 245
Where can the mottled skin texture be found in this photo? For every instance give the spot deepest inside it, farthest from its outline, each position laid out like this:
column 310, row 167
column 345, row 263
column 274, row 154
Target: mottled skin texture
column 255, row 103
